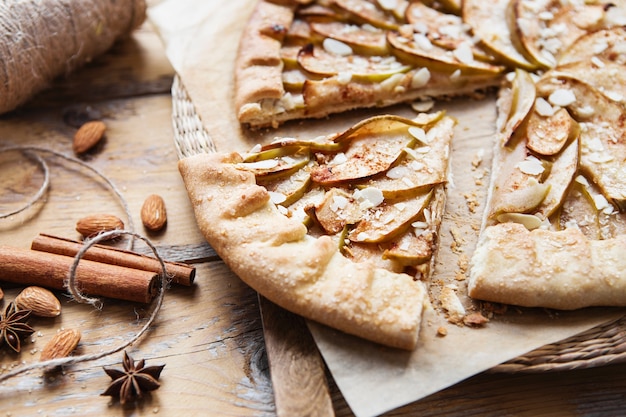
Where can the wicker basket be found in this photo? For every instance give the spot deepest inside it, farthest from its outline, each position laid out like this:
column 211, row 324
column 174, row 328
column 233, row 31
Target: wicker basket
column 599, row 346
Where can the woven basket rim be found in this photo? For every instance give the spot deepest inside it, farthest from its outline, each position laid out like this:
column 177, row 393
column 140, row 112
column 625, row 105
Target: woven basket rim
column 599, row 346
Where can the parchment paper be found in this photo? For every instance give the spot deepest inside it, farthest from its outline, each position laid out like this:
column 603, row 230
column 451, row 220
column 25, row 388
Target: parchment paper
column 201, row 39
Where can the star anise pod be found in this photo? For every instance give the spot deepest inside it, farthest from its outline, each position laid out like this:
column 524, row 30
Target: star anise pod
column 135, row 380
column 13, row 327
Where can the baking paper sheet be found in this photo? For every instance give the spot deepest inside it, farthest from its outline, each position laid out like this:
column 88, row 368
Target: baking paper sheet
column 201, row 39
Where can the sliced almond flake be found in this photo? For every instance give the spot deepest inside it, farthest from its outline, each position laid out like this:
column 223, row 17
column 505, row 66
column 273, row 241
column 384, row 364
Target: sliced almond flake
column 408, row 182
column 264, row 164
column 531, row 166
column 586, row 111
column 420, row 225
column 333, row 46
column 452, row 31
column 283, row 210
column 339, row 202
column 339, row 159
column 397, row 172
column 582, row 180
column 600, row 46
column 600, row 202
column 288, row 159
column 464, row 53
column 411, row 153
column 418, row 133
column 600, row 158
column 362, row 236
column 597, row 62
column 277, row 198
column 594, row 145
column 546, row 15
column 371, row 196
column 422, row 41
column 562, row 97
column 431, row 135
column 416, row 165
column 615, row 16
column 455, row 75
column 388, row 219
column 543, row 108
column 423, row 105
column 391, row 83
column 421, row 78
column 419, row 27
column 614, row 95
column 256, row 148
column 344, row 77
column 388, row 4
column 400, row 206
column 404, row 245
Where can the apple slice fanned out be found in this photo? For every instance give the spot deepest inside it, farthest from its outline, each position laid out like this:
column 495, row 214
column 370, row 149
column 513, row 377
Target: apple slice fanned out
column 445, row 30
column 417, row 49
column 519, row 186
column 544, row 28
column 562, row 171
column 365, row 40
column 607, row 77
column 374, row 146
column 321, row 62
column 337, row 210
column 515, row 106
column 276, row 163
column 606, row 44
column 421, row 166
column 549, row 129
column 364, row 11
column 488, row 21
column 288, row 189
column 389, row 219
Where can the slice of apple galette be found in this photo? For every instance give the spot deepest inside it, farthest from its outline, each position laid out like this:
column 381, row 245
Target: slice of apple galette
column 340, row 229
column 554, row 232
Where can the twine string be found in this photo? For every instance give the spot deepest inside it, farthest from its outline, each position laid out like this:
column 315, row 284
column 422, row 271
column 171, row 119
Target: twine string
column 46, row 183
column 70, row 282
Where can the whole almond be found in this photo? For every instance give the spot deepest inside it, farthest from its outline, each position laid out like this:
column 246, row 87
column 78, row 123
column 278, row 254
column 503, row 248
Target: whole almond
column 88, row 135
column 90, row 226
column 61, row 345
column 39, row 300
column 153, row 215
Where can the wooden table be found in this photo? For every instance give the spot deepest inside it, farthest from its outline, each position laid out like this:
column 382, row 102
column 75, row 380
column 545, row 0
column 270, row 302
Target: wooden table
column 209, row 335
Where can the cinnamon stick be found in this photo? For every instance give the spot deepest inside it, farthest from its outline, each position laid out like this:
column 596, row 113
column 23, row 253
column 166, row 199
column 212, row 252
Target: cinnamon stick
column 180, row 273
column 28, row 267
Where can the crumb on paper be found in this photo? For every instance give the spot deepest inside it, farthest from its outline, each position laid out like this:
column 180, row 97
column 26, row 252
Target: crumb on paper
column 475, row 319
column 478, row 158
column 460, row 276
column 463, row 262
column 472, row 201
column 457, row 238
column 452, row 304
column 490, row 309
column 442, row 331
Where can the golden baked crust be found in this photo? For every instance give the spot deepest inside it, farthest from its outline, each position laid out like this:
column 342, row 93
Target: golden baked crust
column 545, row 268
column 308, row 276
column 554, row 229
